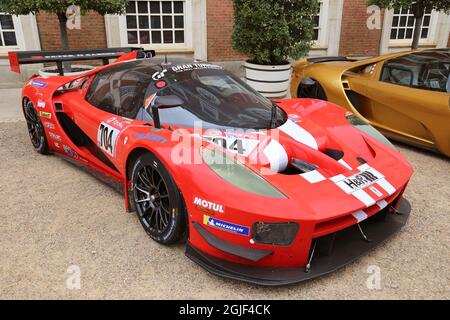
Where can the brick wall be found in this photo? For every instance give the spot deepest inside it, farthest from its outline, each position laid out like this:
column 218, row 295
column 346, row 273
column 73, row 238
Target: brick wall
column 91, row 35
column 220, row 28
column 356, row 38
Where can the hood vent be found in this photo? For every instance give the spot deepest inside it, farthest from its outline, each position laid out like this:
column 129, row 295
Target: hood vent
column 335, row 154
column 303, row 166
column 298, row 166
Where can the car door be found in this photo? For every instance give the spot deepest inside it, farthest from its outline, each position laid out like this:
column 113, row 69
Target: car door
column 407, row 102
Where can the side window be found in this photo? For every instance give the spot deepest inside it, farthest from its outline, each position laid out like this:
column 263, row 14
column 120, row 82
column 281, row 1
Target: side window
column 100, row 95
column 119, row 90
column 427, row 70
column 397, row 75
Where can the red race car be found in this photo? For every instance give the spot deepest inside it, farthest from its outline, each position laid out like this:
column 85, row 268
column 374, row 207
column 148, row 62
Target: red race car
column 267, row 192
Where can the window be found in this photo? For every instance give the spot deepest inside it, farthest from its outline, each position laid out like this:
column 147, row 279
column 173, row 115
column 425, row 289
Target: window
column 7, row 32
column 217, row 98
column 156, row 22
column 403, row 24
column 427, row 70
column 317, row 23
column 120, row 90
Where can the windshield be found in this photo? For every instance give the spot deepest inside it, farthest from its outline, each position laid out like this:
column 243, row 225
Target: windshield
column 215, row 97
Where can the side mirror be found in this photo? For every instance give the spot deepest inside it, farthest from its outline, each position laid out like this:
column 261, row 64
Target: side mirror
column 163, row 102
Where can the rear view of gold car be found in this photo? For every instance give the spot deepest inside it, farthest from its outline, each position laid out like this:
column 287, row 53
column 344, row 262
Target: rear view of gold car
column 404, row 95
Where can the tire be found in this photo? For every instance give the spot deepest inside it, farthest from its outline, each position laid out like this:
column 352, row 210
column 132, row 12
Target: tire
column 313, row 91
column 35, row 127
column 159, row 204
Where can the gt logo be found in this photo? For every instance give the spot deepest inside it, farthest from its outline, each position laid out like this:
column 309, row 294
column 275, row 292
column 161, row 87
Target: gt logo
column 107, row 138
column 159, row 75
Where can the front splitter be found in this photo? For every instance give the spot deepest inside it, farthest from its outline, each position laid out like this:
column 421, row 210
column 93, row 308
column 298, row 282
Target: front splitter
column 347, row 247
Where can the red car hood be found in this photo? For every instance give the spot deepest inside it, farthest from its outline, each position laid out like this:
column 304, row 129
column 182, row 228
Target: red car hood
column 353, row 171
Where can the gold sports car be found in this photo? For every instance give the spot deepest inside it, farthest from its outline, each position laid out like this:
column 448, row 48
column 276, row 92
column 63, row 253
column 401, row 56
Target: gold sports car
column 404, row 95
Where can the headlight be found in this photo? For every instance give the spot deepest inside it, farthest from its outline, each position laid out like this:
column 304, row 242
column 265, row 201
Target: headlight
column 279, row 234
column 238, row 175
column 368, row 129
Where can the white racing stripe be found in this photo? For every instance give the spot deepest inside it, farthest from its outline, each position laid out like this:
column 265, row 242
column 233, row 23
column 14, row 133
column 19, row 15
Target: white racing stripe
column 299, row 134
column 276, row 155
column 364, row 197
column 338, row 178
column 382, row 204
column 313, row 176
column 383, row 183
column 360, row 215
column 345, row 164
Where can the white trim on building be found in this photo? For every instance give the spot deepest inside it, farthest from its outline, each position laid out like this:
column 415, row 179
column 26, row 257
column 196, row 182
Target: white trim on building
column 437, row 37
column 329, row 28
column 195, row 39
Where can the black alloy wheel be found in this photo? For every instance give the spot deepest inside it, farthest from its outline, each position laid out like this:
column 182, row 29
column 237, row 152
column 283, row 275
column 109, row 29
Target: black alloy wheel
column 35, row 127
column 157, row 200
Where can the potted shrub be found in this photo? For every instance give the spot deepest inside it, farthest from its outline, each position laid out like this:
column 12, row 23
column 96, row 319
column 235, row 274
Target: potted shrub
column 270, row 32
column 59, row 7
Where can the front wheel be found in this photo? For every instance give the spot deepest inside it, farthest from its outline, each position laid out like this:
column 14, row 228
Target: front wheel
column 35, row 127
column 158, row 202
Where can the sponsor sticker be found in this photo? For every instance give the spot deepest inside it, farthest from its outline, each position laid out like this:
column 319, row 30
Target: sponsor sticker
column 36, row 83
column 359, row 181
column 195, row 66
column 226, row 226
column 107, row 138
column 46, row 115
column 150, row 136
column 118, row 123
column 208, row 205
column 54, row 136
column 70, row 152
column 49, row 125
column 41, row 104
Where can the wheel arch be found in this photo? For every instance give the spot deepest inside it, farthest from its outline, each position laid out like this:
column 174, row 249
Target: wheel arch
column 133, row 155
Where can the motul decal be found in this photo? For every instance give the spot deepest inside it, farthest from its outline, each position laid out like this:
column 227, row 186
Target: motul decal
column 208, row 205
column 107, row 138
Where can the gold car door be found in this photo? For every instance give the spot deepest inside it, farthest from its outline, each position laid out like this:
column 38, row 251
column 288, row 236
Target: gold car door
column 405, row 108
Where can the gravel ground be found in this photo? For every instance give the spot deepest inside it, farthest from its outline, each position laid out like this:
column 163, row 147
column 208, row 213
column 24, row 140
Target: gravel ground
column 55, row 216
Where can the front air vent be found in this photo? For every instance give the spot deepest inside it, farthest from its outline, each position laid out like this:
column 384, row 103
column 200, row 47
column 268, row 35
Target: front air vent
column 346, row 85
column 58, row 106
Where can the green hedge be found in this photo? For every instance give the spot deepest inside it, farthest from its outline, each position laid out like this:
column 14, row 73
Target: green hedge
column 271, row 31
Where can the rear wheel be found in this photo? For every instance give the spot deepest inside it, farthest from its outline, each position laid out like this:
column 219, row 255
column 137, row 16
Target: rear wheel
column 157, row 200
column 311, row 89
column 35, row 127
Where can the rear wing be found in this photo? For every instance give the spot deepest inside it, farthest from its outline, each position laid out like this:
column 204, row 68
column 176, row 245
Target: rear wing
column 17, row 58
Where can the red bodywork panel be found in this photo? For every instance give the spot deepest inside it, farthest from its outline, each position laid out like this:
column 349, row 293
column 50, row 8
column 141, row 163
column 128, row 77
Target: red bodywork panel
column 317, row 202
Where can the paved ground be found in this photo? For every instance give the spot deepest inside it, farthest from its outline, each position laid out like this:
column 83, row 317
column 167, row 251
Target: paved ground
column 55, row 216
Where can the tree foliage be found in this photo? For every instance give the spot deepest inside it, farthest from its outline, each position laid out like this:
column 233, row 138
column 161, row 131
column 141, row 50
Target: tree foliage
column 23, row 7
column 414, row 5
column 417, row 8
column 271, row 31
